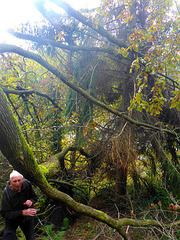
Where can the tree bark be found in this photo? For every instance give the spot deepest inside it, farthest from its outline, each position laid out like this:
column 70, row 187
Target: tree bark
column 13, row 144
column 53, row 163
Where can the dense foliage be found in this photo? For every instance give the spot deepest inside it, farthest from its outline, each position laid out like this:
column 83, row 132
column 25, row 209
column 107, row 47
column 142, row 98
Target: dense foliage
column 113, row 121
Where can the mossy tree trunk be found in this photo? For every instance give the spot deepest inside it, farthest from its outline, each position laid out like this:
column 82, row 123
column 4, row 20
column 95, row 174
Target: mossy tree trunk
column 15, row 148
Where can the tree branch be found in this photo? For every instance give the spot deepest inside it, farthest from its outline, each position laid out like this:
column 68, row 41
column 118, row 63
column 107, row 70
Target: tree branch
column 52, row 164
column 27, row 92
column 14, row 49
column 52, row 43
column 86, row 21
column 60, row 182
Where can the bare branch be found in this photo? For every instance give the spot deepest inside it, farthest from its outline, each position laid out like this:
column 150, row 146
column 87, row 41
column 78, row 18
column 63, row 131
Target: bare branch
column 27, row 92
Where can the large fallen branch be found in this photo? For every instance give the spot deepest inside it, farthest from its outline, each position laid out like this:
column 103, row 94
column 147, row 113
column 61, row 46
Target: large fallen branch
column 14, row 49
column 14, row 147
column 49, row 42
column 52, row 165
column 87, row 21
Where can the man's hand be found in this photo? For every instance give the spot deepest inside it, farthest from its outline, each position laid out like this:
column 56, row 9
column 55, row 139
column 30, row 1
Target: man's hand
column 28, row 203
column 29, row 212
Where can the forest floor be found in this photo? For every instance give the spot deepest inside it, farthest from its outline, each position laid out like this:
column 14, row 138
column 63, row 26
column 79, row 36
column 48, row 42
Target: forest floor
column 86, row 228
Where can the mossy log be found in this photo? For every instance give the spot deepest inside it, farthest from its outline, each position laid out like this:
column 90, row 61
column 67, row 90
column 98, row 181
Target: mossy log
column 52, row 166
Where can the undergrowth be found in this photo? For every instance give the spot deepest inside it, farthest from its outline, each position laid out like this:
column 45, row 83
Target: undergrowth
column 159, row 206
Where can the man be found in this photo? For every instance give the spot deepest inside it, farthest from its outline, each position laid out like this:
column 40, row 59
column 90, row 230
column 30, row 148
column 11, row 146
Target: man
column 17, row 207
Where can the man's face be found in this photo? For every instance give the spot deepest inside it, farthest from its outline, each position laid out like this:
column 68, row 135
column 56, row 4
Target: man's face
column 16, row 183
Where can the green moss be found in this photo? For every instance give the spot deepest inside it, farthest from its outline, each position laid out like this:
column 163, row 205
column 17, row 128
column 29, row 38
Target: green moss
column 52, row 165
column 44, row 169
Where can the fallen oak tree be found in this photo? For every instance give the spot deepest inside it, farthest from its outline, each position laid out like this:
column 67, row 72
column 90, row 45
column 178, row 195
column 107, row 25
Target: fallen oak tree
column 15, row 148
column 103, row 33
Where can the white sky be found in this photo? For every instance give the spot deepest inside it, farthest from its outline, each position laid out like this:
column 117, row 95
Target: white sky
column 14, row 12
